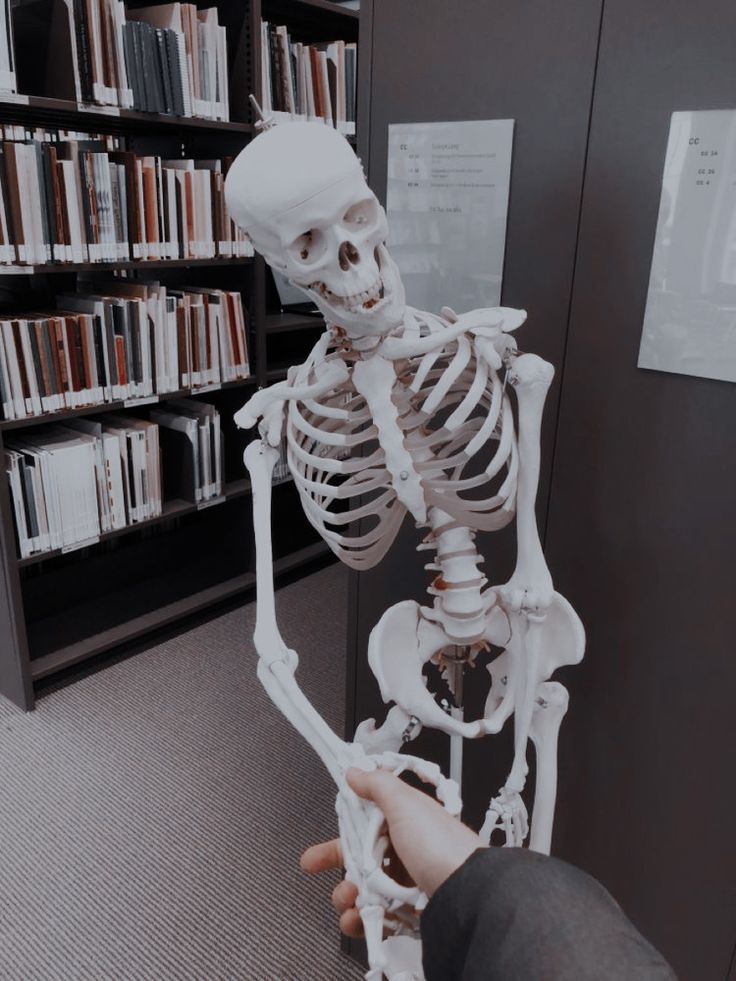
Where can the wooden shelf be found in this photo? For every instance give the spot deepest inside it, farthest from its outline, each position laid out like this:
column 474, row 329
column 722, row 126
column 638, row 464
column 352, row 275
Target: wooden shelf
column 62, row 113
column 118, row 406
column 75, row 267
column 313, row 20
column 286, row 7
column 171, row 509
column 84, row 603
column 64, row 657
column 276, row 323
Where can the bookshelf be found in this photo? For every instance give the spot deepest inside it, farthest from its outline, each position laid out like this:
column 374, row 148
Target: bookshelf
column 60, row 608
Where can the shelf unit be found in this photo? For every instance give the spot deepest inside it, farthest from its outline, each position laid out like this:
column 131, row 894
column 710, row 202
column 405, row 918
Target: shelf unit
column 59, row 609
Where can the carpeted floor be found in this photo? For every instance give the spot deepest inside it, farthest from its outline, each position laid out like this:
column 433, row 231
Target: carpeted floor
column 152, row 814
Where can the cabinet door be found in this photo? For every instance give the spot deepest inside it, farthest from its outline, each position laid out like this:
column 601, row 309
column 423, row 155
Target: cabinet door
column 641, row 529
column 534, row 62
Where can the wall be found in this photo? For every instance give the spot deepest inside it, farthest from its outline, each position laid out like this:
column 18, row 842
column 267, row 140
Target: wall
column 639, row 468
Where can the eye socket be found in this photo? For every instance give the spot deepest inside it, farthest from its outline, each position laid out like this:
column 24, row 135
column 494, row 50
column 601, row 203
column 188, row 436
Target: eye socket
column 308, row 247
column 362, row 213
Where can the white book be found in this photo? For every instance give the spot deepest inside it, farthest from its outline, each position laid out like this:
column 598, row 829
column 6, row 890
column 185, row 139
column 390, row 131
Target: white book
column 140, row 249
column 12, row 469
column 266, row 103
column 14, row 399
column 113, row 470
column 8, row 405
column 125, row 92
column 7, row 251
column 121, row 467
column 45, row 485
column 92, row 428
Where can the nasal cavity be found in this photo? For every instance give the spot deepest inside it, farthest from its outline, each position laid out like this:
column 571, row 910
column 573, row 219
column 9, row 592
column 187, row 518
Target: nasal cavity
column 348, row 256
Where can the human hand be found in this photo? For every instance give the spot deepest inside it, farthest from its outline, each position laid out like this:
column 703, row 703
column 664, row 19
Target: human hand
column 428, row 841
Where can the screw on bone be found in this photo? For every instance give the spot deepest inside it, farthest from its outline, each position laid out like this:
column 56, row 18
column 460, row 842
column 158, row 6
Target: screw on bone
column 410, row 732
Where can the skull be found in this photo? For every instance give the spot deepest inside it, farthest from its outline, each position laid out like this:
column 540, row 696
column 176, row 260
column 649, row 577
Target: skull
column 298, row 190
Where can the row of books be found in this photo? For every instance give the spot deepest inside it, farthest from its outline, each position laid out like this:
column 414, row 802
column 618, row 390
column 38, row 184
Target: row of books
column 169, row 58
column 191, row 446
column 70, row 483
column 78, row 201
column 308, row 81
column 129, row 341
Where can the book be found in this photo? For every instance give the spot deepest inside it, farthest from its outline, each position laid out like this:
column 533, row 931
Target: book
column 72, row 200
column 128, row 340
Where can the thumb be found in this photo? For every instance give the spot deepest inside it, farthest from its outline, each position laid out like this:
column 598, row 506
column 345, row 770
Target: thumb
column 379, row 786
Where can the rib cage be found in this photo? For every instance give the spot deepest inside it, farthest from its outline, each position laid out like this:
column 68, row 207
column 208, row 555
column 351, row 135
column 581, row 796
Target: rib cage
column 457, row 425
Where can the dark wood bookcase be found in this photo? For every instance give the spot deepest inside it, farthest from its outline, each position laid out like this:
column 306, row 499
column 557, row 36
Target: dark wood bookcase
column 58, row 610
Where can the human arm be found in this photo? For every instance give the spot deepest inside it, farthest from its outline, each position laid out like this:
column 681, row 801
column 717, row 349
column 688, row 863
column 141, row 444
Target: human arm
column 495, row 913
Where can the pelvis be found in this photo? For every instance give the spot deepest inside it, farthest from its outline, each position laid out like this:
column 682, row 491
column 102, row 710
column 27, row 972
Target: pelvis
column 404, row 641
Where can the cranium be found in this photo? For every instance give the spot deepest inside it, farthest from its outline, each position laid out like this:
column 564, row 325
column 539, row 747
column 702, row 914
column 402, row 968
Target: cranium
column 299, row 191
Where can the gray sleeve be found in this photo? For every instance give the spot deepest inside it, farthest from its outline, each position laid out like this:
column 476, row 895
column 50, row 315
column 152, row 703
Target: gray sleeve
column 509, row 914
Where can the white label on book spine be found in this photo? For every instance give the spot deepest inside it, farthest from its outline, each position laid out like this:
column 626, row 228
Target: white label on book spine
column 211, row 502
column 74, row 546
column 106, row 110
column 146, row 400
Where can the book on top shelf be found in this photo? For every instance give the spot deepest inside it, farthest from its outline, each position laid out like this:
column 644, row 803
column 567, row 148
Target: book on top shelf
column 169, row 59
column 308, row 81
column 68, row 200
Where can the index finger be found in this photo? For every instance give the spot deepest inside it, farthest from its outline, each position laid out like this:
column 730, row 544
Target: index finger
column 318, row 858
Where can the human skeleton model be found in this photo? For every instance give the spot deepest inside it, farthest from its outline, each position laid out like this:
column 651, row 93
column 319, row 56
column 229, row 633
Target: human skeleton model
column 397, row 410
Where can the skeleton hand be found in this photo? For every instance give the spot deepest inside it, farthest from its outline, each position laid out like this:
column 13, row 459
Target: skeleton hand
column 427, row 840
column 507, row 812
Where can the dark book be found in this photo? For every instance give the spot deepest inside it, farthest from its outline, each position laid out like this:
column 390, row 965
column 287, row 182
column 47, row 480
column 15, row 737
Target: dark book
column 350, row 84
column 29, row 498
column 177, row 465
column 135, row 327
column 84, row 54
column 275, row 56
column 139, row 44
column 52, row 356
column 112, row 361
column 58, row 338
column 36, row 367
column 177, row 91
column 103, row 373
column 16, row 327
column 164, row 70
column 151, row 69
column 131, row 65
column 13, row 198
column 73, row 346
column 48, row 200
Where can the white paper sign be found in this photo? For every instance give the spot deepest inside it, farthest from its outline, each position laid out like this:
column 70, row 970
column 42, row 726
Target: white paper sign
column 447, row 200
column 690, row 319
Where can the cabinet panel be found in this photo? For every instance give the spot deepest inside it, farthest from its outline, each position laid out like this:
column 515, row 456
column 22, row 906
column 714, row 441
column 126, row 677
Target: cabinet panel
column 641, row 529
column 535, row 63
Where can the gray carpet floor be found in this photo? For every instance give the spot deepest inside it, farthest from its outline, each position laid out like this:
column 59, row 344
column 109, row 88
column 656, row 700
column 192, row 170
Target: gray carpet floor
column 152, row 814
